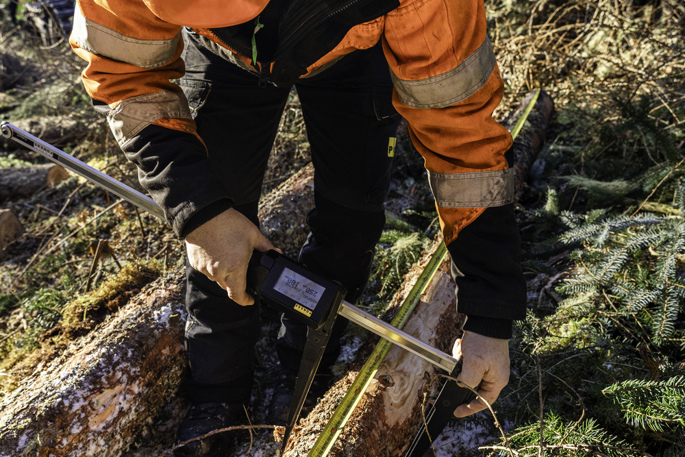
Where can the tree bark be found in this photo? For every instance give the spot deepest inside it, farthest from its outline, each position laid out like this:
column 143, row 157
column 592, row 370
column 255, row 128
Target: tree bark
column 95, row 397
column 101, row 392
column 21, row 182
column 283, row 211
column 59, row 131
column 530, row 139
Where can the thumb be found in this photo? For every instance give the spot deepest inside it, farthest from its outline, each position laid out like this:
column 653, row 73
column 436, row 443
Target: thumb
column 236, row 285
column 263, row 244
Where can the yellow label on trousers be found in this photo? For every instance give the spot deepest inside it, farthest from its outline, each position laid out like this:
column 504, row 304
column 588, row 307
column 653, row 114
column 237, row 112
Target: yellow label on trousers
column 391, row 146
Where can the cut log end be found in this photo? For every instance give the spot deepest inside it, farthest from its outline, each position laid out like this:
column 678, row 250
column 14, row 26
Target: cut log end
column 10, row 229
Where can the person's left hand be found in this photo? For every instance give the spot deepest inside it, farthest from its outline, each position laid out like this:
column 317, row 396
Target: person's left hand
column 486, row 362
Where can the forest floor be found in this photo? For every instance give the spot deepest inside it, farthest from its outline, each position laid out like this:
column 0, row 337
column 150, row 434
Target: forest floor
column 598, row 366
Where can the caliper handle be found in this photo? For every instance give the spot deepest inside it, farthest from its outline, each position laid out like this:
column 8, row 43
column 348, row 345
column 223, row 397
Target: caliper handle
column 258, row 269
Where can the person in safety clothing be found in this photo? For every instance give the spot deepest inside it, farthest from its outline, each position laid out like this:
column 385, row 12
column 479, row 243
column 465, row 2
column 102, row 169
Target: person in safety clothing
column 194, row 90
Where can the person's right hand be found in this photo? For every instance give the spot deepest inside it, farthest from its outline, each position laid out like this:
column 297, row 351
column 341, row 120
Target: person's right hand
column 221, row 249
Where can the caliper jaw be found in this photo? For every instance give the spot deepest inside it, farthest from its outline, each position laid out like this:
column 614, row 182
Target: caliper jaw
column 317, row 339
column 305, row 297
column 439, row 414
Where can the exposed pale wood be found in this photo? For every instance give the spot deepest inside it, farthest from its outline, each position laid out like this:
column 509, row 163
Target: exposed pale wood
column 96, row 397
column 389, row 410
column 10, row 229
column 21, row 182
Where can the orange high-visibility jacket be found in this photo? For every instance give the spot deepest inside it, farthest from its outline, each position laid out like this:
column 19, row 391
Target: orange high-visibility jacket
column 446, row 84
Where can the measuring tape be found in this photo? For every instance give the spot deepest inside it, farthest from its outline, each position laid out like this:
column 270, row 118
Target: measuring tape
column 342, row 413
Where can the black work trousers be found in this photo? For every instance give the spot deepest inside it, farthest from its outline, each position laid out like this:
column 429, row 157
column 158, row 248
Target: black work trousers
column 350, row 119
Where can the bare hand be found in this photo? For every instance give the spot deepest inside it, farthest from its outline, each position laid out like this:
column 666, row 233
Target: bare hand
column 486, row 362
column 221, row 249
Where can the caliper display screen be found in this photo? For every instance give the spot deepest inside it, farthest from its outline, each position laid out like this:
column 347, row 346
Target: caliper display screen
column 301, row 289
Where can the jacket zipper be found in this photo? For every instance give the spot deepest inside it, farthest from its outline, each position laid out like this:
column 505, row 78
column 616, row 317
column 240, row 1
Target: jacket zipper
column 299, row 31
column 264, row 67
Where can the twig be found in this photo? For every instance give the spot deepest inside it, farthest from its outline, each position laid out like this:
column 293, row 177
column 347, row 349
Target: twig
column 9, row 34
column 220, row 430
column 140, row 221
column 52, row 249
column 542, row 406
column 249, row 421
column 9, row 335
column 644, row 142
column 594, row 448
column 423, row 415
column 492, row 411
column 657, row 186
column 96, row 259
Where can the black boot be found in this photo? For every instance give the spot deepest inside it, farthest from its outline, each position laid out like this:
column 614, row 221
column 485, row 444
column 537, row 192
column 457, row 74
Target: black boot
column 203, row 418
column 283, row 396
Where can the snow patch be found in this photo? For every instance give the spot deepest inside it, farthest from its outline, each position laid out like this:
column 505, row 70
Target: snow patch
column 163, row 314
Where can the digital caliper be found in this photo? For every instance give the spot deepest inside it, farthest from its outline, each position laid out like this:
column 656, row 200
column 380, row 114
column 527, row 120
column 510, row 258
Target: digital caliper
column 300, row 293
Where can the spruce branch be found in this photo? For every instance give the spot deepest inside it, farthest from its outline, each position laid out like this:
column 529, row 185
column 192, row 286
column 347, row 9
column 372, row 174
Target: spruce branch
column 652, row 405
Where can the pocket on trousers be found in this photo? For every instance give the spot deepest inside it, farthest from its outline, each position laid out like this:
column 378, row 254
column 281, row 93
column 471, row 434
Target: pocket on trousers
column 196, row 92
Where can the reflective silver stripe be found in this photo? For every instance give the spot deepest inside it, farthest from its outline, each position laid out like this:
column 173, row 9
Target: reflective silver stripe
column 452, row 87
column 103, row 41
column 482, row 189
column 134, row 114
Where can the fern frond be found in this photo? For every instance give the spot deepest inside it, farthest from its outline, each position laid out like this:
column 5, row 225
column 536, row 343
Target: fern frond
column 569, row 219
column 606, row 191
column 680, row 195
column 637, row 298
column 582, row 284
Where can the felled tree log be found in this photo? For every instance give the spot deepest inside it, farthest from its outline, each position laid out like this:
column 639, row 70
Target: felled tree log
column 283, row 211
column 16, row 71
column 531, row 138
column 59, row 131
column 98, row 395
column 20, row 182
column 95, row 397
column 390, row 410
